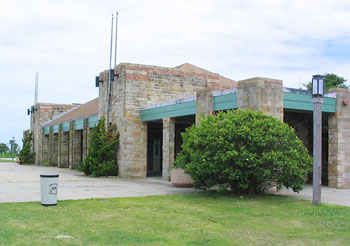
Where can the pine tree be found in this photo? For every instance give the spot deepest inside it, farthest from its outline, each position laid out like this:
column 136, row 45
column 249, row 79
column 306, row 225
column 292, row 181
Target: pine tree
column 102, row 158
column 26, row 156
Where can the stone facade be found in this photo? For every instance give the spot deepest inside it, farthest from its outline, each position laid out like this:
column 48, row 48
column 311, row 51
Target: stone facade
column 140, row 85
column 261, row 94
column 136, row 86
column 339, row 141
column 40, row 113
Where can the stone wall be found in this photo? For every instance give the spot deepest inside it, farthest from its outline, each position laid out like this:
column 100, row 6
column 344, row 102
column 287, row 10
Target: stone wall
column 140, row 85
column 339, row 142
column 64, row 150
column 263, row 94
column 41, row 113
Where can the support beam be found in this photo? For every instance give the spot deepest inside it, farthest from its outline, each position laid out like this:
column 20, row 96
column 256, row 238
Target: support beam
column 168, row 146
column 263, row 94
column 339, row 142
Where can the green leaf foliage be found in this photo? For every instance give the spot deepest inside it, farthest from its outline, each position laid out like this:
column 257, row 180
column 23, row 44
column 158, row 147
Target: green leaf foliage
column 26, row 156
column 102, row 158
column 3, row 149
column 244, row 150
column 331, row 80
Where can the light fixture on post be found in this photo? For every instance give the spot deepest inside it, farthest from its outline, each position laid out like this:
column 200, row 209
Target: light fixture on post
column 317, row 85
column 317, row 100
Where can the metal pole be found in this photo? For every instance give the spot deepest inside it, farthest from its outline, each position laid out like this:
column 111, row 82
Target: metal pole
column 12, row 145
column 109, row 77
column 317, row 150
column 116, row 35
column 110, row 58
column 36, row 88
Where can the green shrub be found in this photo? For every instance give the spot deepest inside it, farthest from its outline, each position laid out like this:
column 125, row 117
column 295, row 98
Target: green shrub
column 26, row 156
column 244, row 150
column 46, row 164
column 102, row 158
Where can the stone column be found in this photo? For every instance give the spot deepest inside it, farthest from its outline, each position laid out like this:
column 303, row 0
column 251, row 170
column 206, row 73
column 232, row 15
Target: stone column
column 70, row 144
column 54, row 150
column 77, row 148
column 45, row 153
column 261, row 94
column 85, row 138
column 50, row 146
column 339, row 141
column 168, row 146
column 65, row 150
column 59, row 142
column 205, row 103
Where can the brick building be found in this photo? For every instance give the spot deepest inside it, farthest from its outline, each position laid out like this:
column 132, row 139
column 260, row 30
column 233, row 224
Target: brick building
column 152, row 105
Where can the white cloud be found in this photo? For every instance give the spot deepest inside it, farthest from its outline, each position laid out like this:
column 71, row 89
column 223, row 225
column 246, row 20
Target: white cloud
column 68, row 41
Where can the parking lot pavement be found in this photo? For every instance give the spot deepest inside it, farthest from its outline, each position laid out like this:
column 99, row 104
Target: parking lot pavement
column 21, row 183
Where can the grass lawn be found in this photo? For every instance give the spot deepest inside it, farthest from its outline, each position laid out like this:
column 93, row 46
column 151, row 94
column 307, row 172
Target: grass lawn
column 7, row 160
column 205, row 218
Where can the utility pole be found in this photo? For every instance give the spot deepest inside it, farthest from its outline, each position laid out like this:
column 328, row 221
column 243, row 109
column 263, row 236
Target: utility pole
column 317, row 100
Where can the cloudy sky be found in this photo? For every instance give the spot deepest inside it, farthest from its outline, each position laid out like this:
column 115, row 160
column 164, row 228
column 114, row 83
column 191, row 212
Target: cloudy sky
column 67, row 41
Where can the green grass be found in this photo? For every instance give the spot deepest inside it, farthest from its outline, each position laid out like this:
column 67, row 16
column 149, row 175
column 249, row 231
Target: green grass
column 194, row 219
column 8, row 160
column 8, row 155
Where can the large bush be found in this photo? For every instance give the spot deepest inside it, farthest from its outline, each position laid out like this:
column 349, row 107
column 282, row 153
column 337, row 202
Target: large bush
column 26, row 155
column 244, row 150
column 102, row 159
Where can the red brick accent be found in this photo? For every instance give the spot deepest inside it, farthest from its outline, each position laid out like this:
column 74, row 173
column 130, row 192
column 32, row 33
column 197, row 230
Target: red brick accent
column 135, row 76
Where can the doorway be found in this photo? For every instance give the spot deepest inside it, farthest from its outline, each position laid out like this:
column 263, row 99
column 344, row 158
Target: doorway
column 154, row 149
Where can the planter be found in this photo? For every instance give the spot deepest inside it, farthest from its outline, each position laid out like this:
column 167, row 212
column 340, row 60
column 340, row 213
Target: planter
column 180, row 179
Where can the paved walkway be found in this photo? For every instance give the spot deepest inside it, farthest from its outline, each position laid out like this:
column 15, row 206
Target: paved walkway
column 328, row 195
column 21, row 183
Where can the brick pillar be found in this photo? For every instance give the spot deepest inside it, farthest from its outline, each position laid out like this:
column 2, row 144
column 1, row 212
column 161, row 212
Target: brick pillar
column 205, row 103
column 65, row 149
column 168, row 146
column 339, row 142
column 85, row 138
column 143, row 150
column 50, row 146
column 59, row 142
column 45, row 153
column 54, row 150
column 71, row 146
column 261, row 94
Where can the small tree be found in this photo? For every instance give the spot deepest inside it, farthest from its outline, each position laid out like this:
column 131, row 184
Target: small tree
column 26, row 156
column 331, row 80
column 244, row 150
column 102, row 159
column 3, row 148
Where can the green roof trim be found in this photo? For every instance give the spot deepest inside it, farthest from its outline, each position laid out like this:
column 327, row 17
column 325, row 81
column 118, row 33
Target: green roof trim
column 92, row 121
column 304, row 102
column 225, row 102
column 46, row 130
column 78, row 124
column 167, row 111
column 55, row 128
column 65, row 126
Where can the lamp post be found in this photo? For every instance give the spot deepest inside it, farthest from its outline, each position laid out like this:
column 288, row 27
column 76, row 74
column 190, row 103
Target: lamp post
column 317, row 100
column 12, row 146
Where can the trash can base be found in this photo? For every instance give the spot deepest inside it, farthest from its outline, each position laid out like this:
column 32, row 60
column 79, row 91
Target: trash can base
column 47, row 205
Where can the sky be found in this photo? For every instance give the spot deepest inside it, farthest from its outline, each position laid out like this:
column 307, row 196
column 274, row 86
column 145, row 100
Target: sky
column 68, row 41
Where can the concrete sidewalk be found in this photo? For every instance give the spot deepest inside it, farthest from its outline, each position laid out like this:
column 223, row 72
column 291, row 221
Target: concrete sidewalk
column 328, row 195
column 21, row 183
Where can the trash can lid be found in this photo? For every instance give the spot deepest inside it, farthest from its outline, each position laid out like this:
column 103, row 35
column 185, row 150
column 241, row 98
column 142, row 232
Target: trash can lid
column 49, row 175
